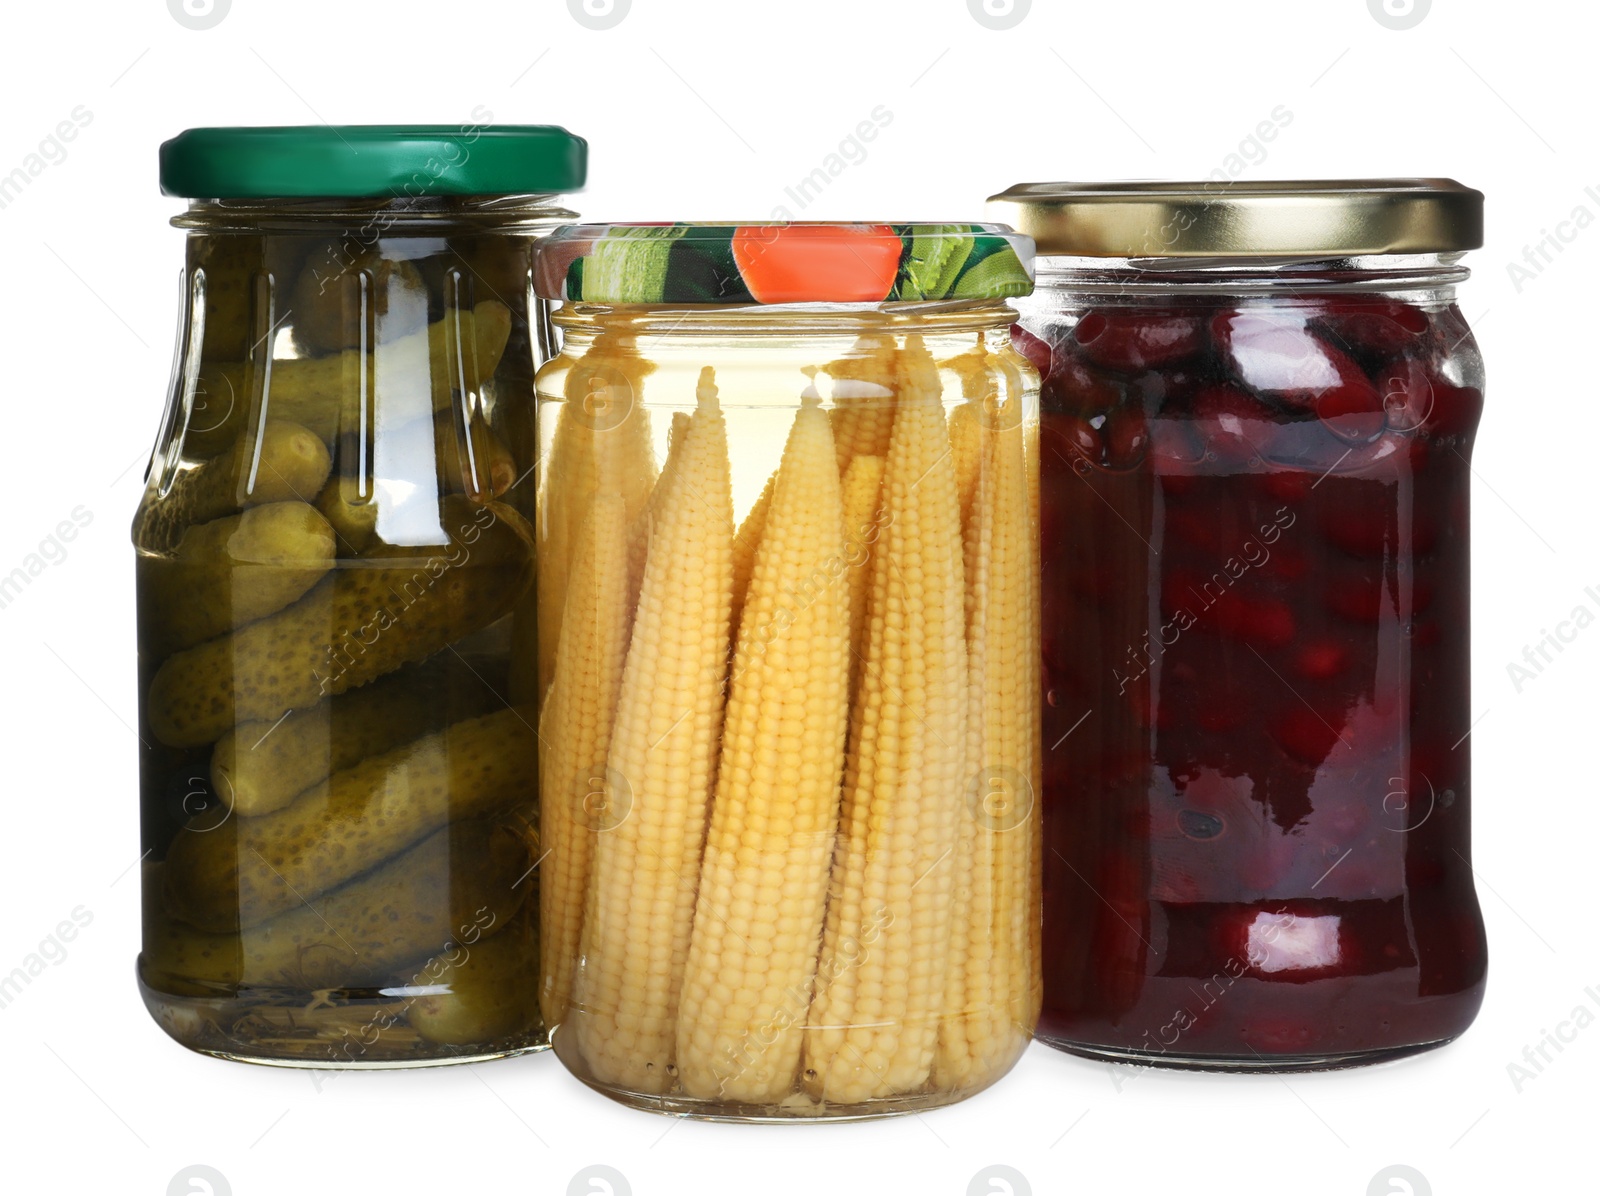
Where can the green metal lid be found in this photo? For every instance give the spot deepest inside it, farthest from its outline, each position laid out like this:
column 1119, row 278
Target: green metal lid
column 305, row 161
column 799, row 262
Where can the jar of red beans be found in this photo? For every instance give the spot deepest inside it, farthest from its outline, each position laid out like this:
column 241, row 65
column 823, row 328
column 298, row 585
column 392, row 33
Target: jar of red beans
column 1258, row 412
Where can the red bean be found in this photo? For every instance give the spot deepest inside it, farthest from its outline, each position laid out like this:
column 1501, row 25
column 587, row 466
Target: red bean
column 1131, row 341
column 1286, row 564
column 1166, row 391
column 1264, row 623
column 1321, row 660
column 1372, row 324
column 1276, row 355
column 1353, row 412
column 1234, row 427
column 1126, row 437
column 1031, row 347
column 1270, row 624
column 1307, row 445
column 1175, row 449
column 1067, row 441
column 1385, row 458
column 1075, row 389
column 1306, row 735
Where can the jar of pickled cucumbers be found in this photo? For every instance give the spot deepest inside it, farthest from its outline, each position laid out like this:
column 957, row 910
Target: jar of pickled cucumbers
column 1259, row 407
column 789, row 701
column 334, row 559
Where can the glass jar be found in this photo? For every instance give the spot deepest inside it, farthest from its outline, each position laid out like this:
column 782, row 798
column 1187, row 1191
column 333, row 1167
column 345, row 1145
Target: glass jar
column 337, row 787
column 788, row 612
column 1259, row 406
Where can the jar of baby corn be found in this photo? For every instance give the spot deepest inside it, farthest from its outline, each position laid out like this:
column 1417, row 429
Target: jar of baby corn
column 788, row 667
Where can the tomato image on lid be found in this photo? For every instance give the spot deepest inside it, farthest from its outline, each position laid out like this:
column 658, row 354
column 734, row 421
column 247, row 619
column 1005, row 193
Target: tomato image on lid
column 794, row 263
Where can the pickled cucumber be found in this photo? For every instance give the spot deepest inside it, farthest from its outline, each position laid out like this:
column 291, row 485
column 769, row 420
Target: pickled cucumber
column 366, row 931
column 230, row 264
column 496, row 267
column 286, row 463
column 316, row 390
column 259, row 767
column 249, row 869
column 327, row 305
column 352, row 515
column 241, row 270
column 493, row 992
column 232, row 571
column 438, row 458
column 487, row 472
column 361, row 622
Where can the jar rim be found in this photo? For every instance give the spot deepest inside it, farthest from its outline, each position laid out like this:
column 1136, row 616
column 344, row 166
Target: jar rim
column 792, row 319
column 1143, row 277
column 386, row 216
column 1266, row 219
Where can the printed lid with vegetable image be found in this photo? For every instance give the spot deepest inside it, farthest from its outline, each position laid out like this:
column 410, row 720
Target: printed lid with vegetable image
column 812, row 262
column 365, row 161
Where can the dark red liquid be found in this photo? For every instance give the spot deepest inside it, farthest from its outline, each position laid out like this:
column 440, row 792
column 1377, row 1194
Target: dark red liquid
column 1256, row 651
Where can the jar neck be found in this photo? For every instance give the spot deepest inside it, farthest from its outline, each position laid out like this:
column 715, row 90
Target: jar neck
column 783, row 319
column 428, row 215
column 1430, row 275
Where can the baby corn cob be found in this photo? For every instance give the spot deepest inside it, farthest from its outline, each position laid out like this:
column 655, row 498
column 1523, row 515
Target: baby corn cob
column 575, row 732
column 873, row 1027
column 764, row 880
column 745, row 543
column 993, row 982
column 966, row 448
column 863, row 398
column 863, row 488
column 601, row 443
column 639, row 531
column 977, row 369
column 664, row 750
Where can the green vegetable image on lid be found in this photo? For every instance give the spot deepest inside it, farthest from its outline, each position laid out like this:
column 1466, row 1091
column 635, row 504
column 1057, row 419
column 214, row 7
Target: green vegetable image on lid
column 629, row 264
column 935, row 255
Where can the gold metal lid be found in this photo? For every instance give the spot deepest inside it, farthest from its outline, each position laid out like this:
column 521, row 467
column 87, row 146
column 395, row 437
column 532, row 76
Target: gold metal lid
column 1278, row 219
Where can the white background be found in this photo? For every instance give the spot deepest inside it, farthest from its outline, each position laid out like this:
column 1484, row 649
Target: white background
column 709, row 110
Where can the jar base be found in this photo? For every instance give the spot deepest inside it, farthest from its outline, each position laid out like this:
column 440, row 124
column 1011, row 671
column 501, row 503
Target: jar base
column 1257, row 1065
column 798, row 1108
column 328, row 1032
